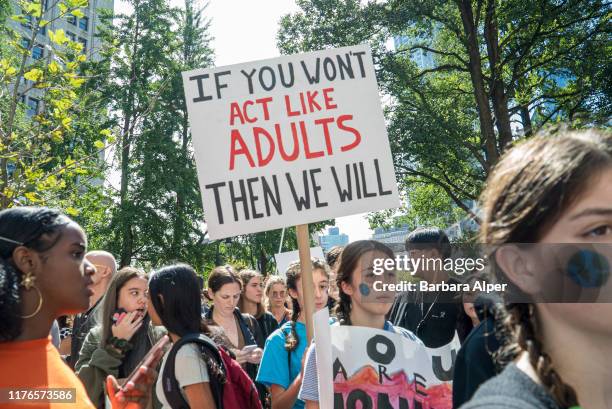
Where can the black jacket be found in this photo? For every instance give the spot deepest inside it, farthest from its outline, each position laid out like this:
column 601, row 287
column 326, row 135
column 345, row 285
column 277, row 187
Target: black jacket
column 82, row 324
column 267, row 325
column 434, row 321
column 252, row 335
column 474, row 364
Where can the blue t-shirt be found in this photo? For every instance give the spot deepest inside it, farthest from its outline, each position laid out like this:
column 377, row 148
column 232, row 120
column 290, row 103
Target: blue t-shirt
column 310, row 381
column 274, row 369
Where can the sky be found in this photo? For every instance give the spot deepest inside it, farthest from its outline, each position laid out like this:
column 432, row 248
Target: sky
column 245, row 30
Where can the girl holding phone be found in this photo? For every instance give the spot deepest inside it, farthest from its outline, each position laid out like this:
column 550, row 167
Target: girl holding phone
column 242, row 330
column 283, row 358
column 551, row 189
column 358, row 303
column 124, row 337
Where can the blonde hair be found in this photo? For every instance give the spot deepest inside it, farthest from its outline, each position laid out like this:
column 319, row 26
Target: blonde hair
column 272, row 280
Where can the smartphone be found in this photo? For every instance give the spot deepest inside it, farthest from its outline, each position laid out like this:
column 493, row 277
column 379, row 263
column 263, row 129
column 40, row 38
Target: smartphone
column 117, row 314
column 150, row 360
column 249, row 349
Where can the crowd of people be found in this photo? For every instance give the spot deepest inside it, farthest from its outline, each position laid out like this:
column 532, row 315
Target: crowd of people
column 70, row 318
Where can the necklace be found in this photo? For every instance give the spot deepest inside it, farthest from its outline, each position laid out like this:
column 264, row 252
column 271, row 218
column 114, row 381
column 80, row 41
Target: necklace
column 427, row 313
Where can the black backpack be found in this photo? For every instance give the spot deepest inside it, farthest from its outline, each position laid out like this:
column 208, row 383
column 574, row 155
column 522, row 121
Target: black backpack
column 170, row 384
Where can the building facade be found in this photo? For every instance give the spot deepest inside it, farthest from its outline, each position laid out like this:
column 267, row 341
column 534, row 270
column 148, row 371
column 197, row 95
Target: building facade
column 333, row 238
column 83, row 29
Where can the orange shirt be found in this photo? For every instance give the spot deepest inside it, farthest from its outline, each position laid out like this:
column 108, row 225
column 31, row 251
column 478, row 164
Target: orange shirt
column 37, row 364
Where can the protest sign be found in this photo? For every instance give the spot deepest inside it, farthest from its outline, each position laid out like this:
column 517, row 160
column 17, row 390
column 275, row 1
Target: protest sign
column 371, row 368
column 284, row 259
column 291, row 140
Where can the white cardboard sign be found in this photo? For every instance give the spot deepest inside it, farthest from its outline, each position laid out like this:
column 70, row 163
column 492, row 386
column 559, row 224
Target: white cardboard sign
column 379, row 369
column 290, row 140
column 284, row 259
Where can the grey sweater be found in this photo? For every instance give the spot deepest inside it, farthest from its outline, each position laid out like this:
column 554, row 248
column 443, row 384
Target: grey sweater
column 511, row 389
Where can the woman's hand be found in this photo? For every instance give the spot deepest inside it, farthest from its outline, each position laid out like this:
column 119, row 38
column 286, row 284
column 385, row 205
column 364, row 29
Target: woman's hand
column 241, row 357
column 255, row 356
column 134, row 395
column 126, row 327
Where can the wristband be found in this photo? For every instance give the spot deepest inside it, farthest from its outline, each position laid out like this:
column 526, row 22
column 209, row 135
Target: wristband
column 120, row 344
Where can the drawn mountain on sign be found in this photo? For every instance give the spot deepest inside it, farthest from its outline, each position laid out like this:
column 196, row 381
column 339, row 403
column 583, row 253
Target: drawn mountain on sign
column 397, row 386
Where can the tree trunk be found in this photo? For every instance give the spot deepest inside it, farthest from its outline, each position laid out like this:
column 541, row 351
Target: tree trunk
column 526, row 119
column 500, row 101
column 127, row 236
column 482, row 101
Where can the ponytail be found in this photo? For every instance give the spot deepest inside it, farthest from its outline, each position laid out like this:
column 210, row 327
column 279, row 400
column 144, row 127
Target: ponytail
column 10, row 324
column 292, row 340
column 519, row 327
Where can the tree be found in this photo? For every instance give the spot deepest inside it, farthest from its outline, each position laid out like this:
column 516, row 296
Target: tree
column 44, row 156
column 157, row 214
column 493, row 64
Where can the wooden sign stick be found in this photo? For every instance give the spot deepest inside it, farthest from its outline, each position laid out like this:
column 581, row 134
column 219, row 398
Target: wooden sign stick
column 303, row 241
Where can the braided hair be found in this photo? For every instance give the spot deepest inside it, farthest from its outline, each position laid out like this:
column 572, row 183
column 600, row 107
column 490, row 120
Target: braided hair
column 348, row 263
column 527, row 192
column 37, row 228
column 294, row 273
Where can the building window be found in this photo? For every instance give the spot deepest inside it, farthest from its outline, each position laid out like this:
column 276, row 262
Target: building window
column 84, row 42
column 25, row 43
column 38, row 52
column 28, row 17
column 71, row 36
column 84, row 23
column 32, row 106
column 71, row 19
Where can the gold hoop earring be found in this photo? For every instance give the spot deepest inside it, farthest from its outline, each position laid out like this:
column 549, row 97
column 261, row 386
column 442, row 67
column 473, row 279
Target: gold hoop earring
column 28, row 283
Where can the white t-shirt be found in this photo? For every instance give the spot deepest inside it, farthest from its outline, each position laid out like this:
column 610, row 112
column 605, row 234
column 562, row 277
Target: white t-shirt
column 189, row 369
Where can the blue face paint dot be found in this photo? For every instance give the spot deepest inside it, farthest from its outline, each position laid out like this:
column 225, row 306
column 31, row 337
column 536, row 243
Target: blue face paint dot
column 364, row 289
column 588, row 269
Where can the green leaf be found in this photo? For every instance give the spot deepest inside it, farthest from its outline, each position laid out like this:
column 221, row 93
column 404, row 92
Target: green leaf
column 63, row 8
column 78, row 13
column 20, row 18
column 54, row 67
column 34, row 74
column 71, row 211
column 76, row 82
column 33, row 8
column 31, row 196
column 99, row 144
column 58, row 37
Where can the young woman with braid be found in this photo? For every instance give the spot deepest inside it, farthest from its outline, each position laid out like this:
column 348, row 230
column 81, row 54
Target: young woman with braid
column 358, row 303
column 283, row 358
column 551, row 189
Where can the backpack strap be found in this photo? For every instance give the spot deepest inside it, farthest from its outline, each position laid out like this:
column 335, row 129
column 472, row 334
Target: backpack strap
column 171, row 386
